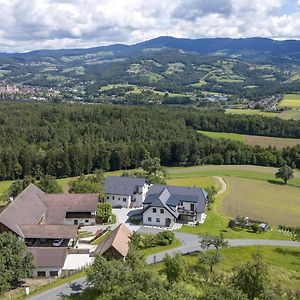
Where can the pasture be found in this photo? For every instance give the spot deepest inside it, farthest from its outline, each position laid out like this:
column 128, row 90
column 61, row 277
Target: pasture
column 290, row 100
column 263, row 141
column 260, row 200
column 293, row 114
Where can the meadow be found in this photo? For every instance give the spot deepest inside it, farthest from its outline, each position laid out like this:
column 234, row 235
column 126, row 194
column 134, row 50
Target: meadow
column 283, row 262
column 290, row 100
column 263, row 141
column 293, row 114
column 260, row 200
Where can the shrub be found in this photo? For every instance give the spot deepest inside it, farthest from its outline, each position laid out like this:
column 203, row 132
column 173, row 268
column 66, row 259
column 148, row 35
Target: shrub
column 255, row 227
column 165, row 238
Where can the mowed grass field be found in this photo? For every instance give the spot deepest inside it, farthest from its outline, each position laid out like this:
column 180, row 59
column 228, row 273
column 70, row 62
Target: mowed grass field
column 290, row 100
column 293, row 114
column 261, row 200
column 263, row 141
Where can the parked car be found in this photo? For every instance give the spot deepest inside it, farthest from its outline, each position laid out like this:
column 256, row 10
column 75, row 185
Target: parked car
column 58, row 242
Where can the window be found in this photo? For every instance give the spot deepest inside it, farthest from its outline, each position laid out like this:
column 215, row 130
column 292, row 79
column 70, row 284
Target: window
column 41, row 274
column 124, row 199
column 107, row 197
column 113, row 197
column 119, row 198
column 86, row 221
column 157, row 220
column 192, row 207
column 53, row 273
column 154, row 210
column 149, row 219
column 162, row 210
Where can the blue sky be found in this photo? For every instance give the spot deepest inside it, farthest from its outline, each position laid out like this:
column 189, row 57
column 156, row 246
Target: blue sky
column 38, row 24
column 288, row 7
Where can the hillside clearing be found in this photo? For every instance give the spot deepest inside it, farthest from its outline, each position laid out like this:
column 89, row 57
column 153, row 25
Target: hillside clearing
column 290, row 100
column 263, row 141
column 293, row 114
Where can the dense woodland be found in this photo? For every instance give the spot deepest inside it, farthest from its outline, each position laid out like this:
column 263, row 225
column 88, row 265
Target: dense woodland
column 68, row 140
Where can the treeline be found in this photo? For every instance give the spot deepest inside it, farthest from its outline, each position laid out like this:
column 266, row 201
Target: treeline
column 252, row 125
column 68, row 140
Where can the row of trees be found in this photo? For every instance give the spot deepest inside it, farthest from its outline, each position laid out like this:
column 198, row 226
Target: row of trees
column 69, row 140
column 176, row 278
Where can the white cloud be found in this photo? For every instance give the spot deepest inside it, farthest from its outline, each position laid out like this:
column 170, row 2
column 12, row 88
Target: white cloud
column 35, row 24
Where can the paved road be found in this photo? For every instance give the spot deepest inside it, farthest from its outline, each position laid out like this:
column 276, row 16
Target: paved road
column 190, row 244
column 59, row 292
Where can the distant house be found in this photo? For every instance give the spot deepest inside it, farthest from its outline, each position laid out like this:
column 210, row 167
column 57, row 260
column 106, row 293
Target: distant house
column 116, row 246
column 48, row 261
column 125, row 191
column 166, row 205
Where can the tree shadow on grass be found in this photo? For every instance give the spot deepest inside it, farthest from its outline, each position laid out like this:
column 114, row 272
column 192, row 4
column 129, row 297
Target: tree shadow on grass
column 288, row 252
column 276, row 182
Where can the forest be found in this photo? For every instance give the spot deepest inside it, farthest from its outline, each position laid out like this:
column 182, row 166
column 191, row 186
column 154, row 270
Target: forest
column 68, row 140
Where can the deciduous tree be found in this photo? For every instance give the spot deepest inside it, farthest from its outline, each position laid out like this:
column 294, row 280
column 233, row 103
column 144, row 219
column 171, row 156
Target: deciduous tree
column 285, row 173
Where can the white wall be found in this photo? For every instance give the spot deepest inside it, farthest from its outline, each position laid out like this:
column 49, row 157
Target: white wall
column 70, row 221
column 153, row 215
column 118, row 200
column 139, row 198
column 47, row 270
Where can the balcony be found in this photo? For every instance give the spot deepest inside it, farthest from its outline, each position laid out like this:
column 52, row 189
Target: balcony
column 185, row 211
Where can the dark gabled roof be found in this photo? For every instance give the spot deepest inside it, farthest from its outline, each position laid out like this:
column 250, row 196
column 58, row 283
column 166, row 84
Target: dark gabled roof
column 45, row 231
column 170, row 196
column 48, row 256
column 59, row 204
column 27, row 208
column 119, row 240
column 160, row 200
column 122, row 185
column 33, row 206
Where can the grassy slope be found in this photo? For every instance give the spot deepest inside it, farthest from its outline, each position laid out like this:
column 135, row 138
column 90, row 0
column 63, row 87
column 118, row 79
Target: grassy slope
column 146, row 252
column 290, row 100
column 283, row 262
column 253, row 140
column 261, row 200
column 216, row 222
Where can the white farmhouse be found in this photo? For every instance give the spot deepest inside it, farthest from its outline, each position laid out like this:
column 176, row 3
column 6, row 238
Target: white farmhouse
column 123, row 191
column 166, row 205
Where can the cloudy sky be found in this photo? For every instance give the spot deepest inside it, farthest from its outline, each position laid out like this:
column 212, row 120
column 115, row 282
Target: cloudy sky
column 38, row 24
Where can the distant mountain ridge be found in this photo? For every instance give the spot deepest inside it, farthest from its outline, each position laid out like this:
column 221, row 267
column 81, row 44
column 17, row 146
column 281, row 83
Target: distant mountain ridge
column 261, row 50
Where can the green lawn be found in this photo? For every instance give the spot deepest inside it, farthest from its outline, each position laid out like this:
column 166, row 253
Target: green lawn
column 101, row 238
column 4, row 186
column 290, row 100
column 224, row 135
column 243, row 171
column 283, row 262
column 146, row 252
column 194, row 181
